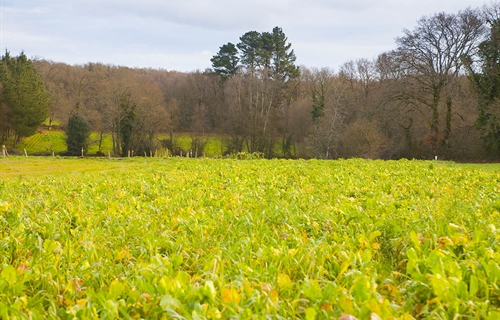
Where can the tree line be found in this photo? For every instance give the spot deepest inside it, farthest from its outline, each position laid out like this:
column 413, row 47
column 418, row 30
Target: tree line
column 435, row 94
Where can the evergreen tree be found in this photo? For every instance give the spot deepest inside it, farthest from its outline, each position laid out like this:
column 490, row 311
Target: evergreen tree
column 127, row 127
column 24, row 95
column 265, row 52
column 270, row 53
column 283, row 57
column 487, row 85
column 225, row 62
column 78, row 134
column 250, row 46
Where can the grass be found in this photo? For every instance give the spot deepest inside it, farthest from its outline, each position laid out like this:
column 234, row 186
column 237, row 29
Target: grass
column 224, row 238
column 45, row 141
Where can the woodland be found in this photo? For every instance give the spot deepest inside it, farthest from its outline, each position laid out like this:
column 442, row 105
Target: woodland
column 435, row 94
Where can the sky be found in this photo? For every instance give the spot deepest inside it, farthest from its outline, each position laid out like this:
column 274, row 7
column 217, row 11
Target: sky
column 183, row 35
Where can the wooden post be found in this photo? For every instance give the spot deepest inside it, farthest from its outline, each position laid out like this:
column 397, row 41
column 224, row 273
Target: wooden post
column 82, row 152
column 53, row 153
column 25, row 153
column 128, row 153
column 109, row 154
column 4, row 151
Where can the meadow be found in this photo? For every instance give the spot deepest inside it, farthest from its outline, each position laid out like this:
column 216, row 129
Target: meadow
column 250, row 239
column 48, row 142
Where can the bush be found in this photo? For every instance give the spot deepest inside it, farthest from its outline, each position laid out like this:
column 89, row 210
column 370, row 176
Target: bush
column 78, row 132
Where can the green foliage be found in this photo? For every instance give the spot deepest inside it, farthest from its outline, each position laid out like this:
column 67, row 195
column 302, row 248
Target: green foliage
column 283, row 57
column 127, row 127
column 78, row 134
column 249, row 45
column 225, row 62
column 318, row 103
column 267, row 52
column 200, row 238
column 247, row 155
column 487, row 86
column 25, row 103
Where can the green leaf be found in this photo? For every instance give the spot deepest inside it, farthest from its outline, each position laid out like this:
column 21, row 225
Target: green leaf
column 310, row 314
column 9, row 274
column 284, row 281
column 116, row 289
column 168, row 302
column 473, row 286
column 411, row 254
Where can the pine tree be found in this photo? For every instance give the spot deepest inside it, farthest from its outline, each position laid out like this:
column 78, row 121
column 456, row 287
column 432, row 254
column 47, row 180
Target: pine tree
column 250, row 46
column 225, row 62
column 283, row 57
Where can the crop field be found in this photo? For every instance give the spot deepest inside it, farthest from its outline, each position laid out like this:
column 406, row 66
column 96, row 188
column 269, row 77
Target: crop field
column 185, row 238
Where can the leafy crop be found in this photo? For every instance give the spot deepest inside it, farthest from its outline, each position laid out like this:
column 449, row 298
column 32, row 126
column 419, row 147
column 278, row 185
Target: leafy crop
column 200, row 238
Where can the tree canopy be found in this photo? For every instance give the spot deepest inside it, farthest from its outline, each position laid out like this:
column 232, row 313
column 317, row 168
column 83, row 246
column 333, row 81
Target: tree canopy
column 25, row 102
column 486, row 82
column 268, row 53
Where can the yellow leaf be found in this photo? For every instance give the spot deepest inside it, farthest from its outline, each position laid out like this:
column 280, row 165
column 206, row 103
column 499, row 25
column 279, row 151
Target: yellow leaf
column 273, row 295
column 68, row 302
column 123, row 254
column 81, row 302
column 230, row 295
column 343, row 268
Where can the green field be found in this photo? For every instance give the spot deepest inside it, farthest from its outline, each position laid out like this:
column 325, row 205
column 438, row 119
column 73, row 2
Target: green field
column 249, row 239
column 47, row 142
column 44, row 142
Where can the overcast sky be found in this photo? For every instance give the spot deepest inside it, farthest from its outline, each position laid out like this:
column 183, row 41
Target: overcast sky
column 184, row 34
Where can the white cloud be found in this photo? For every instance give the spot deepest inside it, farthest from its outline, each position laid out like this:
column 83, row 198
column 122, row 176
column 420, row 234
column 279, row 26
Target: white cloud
column 184, row 34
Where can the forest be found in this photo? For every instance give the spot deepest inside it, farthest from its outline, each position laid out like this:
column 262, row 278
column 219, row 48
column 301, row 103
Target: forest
column 435, row 94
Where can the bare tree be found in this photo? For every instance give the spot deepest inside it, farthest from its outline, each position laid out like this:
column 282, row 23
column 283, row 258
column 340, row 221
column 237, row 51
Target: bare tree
column 328, row 113
column 430, row 61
